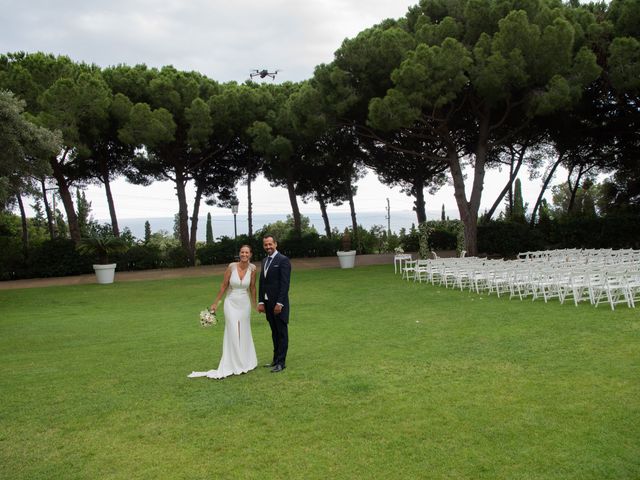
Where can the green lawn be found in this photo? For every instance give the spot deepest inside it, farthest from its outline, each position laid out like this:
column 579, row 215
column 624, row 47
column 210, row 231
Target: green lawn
column 385, row 379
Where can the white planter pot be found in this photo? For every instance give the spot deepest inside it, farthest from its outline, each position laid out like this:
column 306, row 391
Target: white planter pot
column 347, row 259
column 105, row 273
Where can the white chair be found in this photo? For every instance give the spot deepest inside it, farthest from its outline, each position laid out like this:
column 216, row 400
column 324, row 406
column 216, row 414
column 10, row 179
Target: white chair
column 614, row 289
column 422, row 270
column 409, row 269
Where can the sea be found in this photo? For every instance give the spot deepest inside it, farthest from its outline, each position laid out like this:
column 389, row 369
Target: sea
column 223, row 225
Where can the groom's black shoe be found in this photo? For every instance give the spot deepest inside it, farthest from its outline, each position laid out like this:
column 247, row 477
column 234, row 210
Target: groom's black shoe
column 277, row 368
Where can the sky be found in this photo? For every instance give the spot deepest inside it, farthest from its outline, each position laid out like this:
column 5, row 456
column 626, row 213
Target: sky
column 225, row 41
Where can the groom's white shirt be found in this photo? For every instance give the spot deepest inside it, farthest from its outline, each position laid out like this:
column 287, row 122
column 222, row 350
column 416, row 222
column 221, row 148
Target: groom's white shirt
column 265, row 274
column 271, row 257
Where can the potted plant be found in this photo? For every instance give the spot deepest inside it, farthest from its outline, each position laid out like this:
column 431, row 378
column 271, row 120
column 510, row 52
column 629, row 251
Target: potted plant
column 346, row 256
column 100, row 248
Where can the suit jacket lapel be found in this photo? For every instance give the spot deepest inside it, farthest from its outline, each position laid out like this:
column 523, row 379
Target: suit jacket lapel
column 270, row 265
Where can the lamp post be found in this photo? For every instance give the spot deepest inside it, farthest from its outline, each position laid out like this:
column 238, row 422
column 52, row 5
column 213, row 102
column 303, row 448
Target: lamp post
column 234, row 210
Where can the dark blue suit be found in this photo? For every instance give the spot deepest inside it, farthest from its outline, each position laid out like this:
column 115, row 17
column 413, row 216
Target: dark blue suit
column 274, row 289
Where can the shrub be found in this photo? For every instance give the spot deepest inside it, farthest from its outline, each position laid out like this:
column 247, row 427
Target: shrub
column 141, row 257
column 177, row 257
column 310, row 244
column 57, row 258
column 12, row 262
column 612, row 231
column 440, row 239
column 507, row 239
column 410, row 241
column 220, row 252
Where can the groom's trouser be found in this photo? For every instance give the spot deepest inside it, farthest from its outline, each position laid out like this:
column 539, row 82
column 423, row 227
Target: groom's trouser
column 279, row 334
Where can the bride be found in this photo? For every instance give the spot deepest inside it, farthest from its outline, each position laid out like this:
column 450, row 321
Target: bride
column 238, row 352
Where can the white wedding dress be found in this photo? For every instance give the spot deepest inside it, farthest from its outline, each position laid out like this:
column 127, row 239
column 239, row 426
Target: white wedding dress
column 238, row 351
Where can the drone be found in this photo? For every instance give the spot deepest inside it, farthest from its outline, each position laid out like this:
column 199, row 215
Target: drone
column 263, row 73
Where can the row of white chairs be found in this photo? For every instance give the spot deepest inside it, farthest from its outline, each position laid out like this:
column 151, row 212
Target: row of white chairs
column 612, row 278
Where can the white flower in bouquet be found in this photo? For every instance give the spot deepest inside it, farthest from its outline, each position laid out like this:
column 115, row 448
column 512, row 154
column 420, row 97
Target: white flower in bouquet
column 398, row 250
column 208, row 318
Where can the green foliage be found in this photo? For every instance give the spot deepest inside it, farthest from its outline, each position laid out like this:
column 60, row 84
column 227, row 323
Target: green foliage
column 83, row 211
column 611, row 231
column 24, row 146
column 56, row 258
column 441, row 239
column 147, row 232
column 372, row 240
column 519, row 208
column 11, row 257
column 410, row 241
column 424, row 232
column 587, row 196
column 163, row 240
column 100, row 248
column 178, row 257
column 310, row 244
column 209, row 229
column 507, row 239
column 220, row 252
column 624, row 64
column 283, row 230
column 141, row 257
column 61, row 226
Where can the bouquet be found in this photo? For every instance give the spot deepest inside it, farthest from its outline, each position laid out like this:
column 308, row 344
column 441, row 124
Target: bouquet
column 208, row 318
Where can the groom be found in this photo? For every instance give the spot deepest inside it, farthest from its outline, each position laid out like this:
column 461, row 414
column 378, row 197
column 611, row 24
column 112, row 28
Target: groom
column 273, row 300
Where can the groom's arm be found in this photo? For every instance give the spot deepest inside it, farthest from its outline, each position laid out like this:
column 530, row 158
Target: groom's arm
column 261, row 288
column 285, row 278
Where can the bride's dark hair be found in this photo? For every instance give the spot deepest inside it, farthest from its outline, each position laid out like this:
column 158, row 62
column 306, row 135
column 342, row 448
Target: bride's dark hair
column 248, row 246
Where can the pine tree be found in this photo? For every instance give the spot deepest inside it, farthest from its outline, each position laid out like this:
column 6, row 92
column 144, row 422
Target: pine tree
column 209, row 230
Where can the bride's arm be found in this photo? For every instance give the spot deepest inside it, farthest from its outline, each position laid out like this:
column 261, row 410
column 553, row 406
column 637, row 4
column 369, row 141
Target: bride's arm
column 252, row 288
column 223, row 288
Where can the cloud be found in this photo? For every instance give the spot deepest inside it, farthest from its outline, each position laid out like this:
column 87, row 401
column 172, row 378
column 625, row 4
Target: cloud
column 220, row 39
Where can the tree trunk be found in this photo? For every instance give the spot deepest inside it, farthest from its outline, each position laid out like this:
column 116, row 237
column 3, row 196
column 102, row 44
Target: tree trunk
column 469, row 209
column 25, row 227
column 419, row 204
column 194, row 224
column 291, row 189
column 545, row 184
column 47, row 209
column 354, row 222
column 104, row 170
column 507, row 187
column 325, row 216
column 67, row 200
column 183, row 214
column 573, row 189
column 250, row 205
column 464, row 208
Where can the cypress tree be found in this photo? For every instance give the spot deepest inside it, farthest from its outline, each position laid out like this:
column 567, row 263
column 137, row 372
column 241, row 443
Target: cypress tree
column 209, row 230
column 147, row 232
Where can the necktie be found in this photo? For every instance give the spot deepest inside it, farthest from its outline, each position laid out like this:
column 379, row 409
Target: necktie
column 266, row 267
